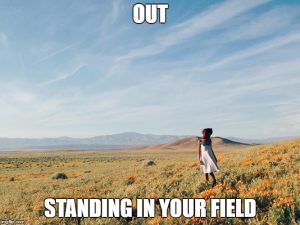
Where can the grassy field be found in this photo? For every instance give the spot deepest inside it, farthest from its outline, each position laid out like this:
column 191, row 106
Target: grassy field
column 268, row 173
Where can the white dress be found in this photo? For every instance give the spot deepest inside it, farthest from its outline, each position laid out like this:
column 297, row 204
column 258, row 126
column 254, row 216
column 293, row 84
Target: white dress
column 208, row 159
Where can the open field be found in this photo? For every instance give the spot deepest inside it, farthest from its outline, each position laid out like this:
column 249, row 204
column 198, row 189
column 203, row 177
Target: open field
column 268, row 173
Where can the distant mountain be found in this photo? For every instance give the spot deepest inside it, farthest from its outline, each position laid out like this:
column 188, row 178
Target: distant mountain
column 260, row 141
column 114, row 141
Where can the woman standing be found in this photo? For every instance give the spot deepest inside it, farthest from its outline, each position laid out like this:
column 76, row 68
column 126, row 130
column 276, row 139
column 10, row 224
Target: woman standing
column 207, row 158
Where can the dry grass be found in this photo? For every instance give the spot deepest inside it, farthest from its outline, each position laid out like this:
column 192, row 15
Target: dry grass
column 268, row 173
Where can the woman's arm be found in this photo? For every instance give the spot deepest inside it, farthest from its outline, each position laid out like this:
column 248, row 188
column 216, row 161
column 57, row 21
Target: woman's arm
column 199, row 152
column 199, row 149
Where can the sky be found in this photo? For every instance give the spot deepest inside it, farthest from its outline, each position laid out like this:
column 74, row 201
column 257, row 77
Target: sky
column 83, row 68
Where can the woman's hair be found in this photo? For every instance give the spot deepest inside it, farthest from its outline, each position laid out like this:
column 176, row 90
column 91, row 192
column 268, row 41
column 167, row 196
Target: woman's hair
column 206, row 133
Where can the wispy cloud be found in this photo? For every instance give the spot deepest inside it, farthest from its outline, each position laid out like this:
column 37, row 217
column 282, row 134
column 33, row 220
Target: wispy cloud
column 15, row 95
column 110, row 19
column 251, row 51
column 116, row 4
column 55, row 53
column 3, row 39
column 201, row 22
column 290, row 112
column 64, row 76
column 275, row 20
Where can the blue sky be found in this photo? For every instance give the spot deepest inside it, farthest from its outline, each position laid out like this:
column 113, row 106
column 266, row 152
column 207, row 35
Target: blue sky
column 83, row 68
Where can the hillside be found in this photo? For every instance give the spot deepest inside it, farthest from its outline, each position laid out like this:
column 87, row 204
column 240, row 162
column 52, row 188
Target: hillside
column 263, row 140
column 190, row 143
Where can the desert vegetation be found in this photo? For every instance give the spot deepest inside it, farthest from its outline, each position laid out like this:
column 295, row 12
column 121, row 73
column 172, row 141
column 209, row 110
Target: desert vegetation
column 268, row 173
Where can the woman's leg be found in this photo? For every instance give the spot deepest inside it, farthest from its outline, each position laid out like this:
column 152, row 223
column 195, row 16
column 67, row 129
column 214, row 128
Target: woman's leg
column 214, row 178
column 206, row 177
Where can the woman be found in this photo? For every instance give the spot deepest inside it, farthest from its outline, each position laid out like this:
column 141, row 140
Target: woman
column 207, row 158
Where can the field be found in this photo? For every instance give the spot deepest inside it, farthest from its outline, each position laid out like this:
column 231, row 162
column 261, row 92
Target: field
column 268, row 173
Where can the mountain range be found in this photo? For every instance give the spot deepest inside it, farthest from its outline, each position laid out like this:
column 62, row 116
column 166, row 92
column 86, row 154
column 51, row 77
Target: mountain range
column 116, row 141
